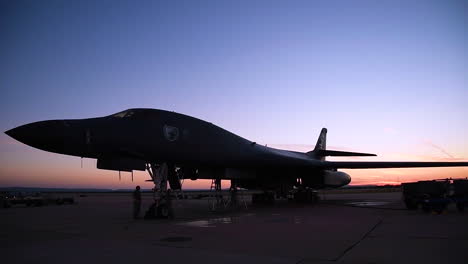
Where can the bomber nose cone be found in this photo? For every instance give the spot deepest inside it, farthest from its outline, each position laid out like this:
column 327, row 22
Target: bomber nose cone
column 11, row 133
column 46, row 135
column 19, row 133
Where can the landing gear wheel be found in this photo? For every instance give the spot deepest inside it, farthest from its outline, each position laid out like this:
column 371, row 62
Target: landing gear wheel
column 306, row 196
column 315, row 197
column 163, row 211
column 151, row 212
column 439, row 209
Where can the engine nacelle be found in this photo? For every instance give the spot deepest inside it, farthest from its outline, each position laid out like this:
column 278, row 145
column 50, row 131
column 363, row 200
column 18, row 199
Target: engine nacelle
column 336, row 178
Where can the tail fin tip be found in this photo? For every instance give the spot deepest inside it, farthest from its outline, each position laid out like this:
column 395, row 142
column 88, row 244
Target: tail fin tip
column 322, row 140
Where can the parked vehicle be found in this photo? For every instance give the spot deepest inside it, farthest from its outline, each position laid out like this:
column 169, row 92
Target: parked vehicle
column 435, row 195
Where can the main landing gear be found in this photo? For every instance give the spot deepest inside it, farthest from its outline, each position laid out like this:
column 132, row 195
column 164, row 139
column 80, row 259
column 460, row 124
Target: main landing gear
column 298, row 194
column 218, row 202
column 304, row 195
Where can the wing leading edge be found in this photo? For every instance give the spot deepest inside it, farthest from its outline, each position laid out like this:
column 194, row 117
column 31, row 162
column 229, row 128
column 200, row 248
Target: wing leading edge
column 386, row 164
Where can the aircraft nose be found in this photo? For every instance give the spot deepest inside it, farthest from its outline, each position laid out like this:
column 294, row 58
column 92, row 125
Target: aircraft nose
column 45, row 135
column 11, row 133
column 20, row 133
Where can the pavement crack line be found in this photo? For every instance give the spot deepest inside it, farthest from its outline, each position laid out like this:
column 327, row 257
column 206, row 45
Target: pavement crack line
column 359, row 241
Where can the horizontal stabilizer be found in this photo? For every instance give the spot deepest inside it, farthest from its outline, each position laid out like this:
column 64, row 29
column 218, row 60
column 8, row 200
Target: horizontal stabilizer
column 386, row 164
column 323, row 153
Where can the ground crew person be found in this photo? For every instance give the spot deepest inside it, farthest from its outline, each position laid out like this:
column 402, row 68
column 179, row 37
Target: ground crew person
column 136, row 202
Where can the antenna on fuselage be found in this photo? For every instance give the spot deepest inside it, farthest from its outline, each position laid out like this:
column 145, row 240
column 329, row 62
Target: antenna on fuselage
column 119, row 176
column 132, row 175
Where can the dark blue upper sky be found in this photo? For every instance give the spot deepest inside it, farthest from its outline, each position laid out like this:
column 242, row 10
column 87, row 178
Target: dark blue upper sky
column 381, row 75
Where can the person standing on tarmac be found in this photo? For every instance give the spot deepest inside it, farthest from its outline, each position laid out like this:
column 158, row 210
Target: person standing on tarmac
column 136, row 202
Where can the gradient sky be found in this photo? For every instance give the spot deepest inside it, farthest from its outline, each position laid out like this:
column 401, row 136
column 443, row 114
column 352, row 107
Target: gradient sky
column 387, row 77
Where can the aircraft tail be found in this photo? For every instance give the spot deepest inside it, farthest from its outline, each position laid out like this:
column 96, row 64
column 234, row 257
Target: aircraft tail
column 322, row 140
column 320, row 151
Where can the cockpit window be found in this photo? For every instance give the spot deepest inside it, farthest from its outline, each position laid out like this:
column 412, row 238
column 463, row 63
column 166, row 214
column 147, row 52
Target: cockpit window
column 136, row 114
column 129, row 114
column 124, row 114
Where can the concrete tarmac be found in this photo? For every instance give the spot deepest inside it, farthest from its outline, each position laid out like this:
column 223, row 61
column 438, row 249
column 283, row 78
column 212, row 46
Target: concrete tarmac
column 343, row 228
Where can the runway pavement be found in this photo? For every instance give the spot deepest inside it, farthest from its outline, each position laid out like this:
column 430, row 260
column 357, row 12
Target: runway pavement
column 343, row 228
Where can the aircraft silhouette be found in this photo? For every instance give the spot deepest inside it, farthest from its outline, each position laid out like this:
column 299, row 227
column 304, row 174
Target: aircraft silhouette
column 172, row 146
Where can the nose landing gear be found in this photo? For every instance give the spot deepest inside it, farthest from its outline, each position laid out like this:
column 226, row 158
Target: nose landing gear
column 162, row 205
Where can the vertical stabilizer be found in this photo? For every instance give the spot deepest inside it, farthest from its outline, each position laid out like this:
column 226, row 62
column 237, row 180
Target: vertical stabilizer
column 320, row 147
column 322, row 141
